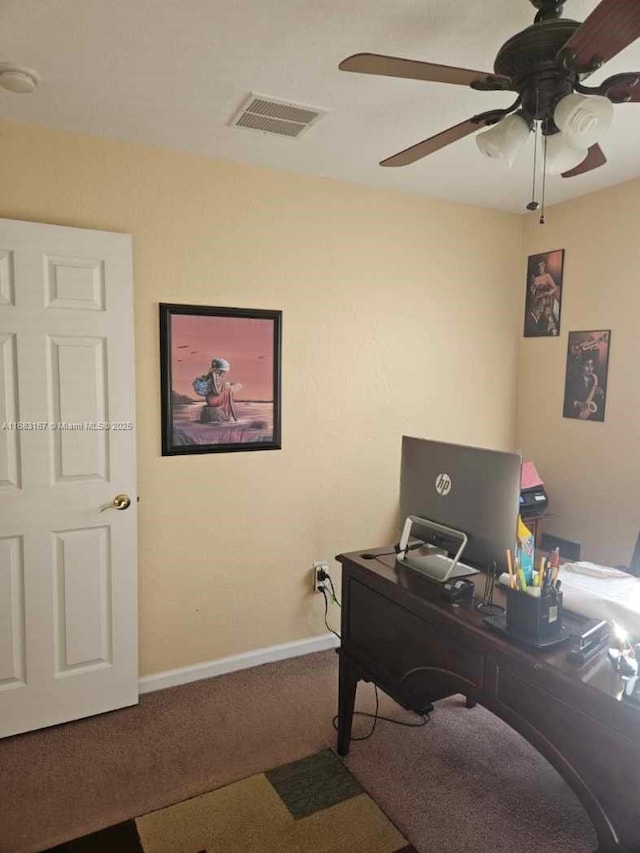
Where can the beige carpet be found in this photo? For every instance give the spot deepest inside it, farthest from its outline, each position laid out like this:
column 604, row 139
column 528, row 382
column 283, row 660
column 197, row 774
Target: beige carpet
column 465, row 783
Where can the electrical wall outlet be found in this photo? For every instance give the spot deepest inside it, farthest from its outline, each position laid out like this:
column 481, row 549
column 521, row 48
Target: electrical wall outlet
column 319, row 568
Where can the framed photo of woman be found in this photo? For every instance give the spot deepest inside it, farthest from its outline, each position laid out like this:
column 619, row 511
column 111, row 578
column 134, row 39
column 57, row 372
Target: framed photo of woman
column 543, row 301
column 220, row 379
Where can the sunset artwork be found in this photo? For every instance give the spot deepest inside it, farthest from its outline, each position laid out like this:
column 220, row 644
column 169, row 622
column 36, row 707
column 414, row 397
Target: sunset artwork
column 220, row 379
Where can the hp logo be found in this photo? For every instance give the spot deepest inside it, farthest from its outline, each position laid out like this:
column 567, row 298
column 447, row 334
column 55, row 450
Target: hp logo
column 443, row 484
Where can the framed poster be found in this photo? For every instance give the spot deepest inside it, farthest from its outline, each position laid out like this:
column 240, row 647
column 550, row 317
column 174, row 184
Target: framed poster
column 585, row 384
column 220, row 375
column 543, row 301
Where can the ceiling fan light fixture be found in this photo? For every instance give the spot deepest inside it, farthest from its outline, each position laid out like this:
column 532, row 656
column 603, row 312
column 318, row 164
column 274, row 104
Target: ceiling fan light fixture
column 503, row 142
column 560, row 156
column 583, row 119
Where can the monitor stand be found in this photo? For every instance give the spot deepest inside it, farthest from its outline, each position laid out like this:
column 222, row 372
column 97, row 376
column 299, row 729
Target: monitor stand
column 461, row 570
column 432, row 561
column 437, row 567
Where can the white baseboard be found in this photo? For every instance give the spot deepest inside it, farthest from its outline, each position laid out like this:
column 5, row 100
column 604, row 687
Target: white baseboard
column 233, row 663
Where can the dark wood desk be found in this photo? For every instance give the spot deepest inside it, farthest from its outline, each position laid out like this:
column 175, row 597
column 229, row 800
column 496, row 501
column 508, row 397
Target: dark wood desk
column 397, row 633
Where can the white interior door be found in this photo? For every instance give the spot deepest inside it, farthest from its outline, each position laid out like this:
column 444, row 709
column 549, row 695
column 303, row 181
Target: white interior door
column 68, row 572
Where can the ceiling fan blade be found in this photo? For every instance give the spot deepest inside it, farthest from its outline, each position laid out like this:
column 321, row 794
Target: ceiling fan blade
column 594, row 159
column 446, row 137
column 625, row 94
column 411, row 69
column 612, row 26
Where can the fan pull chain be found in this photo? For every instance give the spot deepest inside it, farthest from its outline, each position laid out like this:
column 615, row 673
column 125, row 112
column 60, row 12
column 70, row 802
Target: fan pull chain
column 533, row 204
column 544, row 179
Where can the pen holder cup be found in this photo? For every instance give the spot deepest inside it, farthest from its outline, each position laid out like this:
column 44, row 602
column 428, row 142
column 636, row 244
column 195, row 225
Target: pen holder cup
column 538, row 616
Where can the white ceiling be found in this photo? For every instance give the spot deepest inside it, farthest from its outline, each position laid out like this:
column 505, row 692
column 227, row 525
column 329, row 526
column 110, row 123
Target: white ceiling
column 173, row 72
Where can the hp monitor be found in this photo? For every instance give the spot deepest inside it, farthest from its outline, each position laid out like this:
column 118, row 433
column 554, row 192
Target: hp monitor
column 470, row 490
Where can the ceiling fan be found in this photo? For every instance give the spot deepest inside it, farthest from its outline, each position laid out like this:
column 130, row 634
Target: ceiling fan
column 545, row 65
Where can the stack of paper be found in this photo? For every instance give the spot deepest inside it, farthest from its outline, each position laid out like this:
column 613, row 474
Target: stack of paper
column 602, row 592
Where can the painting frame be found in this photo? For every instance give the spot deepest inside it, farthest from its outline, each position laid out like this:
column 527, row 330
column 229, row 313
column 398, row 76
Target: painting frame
column 183, row 435
column 543, row 294
column 588, row 355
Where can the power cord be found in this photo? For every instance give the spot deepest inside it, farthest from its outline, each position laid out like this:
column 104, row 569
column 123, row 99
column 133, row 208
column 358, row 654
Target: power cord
column 333, row 590
column 425, row 718
column 396, row 550
column 326, row 613
column 325, row 576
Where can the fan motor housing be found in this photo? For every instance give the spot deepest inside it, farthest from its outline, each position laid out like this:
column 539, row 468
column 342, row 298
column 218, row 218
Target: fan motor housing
column 530, row 60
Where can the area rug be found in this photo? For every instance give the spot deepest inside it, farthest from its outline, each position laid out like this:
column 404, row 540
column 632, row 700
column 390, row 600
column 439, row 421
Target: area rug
column 309, row 806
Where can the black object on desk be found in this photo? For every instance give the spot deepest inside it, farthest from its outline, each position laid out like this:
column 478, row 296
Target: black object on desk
column 498, row 622
column 539, row 616
column 593, row 638
column 458, row 589
column 486, row 606
column 533, row 502
column 453, row 590
column 535, row 620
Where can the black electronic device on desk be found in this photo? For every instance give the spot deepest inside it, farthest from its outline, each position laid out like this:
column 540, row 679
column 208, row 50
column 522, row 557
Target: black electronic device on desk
column 533, row 502
column 457, row 590
column 593, row 638
column 534, row 620
column 533, row 497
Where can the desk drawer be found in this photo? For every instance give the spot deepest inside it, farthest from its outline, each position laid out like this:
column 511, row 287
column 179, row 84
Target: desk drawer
column 399, row 641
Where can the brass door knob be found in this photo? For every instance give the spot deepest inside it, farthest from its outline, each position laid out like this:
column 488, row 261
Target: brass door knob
column 119, row 502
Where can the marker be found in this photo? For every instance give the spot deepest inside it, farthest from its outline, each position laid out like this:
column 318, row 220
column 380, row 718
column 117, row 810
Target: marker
column 512, row 577
column 521, row 579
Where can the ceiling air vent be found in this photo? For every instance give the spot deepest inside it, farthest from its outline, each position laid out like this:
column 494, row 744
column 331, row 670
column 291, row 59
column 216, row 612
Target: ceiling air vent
column 277, row 117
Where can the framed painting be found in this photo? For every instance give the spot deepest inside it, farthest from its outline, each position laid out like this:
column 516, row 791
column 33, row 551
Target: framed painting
column 543, row 300
column 220, row 375
column 585, row 384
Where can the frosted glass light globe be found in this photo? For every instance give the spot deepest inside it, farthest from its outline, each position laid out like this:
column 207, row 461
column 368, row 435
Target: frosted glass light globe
column 583, row 119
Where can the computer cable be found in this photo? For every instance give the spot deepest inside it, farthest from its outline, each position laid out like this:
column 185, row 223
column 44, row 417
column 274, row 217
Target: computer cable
column 425, row 718
column 375, row 716
column 326, row 612
column 396, row 550
column 333, row 590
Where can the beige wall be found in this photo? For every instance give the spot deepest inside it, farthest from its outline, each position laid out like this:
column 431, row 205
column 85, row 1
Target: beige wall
column 400, row 316
column 592, row 469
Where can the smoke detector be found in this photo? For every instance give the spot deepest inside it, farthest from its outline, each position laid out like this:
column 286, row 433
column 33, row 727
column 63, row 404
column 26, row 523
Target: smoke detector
column 18, row 79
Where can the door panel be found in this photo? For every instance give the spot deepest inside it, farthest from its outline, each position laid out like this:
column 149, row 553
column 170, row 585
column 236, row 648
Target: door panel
column 75, row 283
column 9, row 447
column 12, row 639
column 68, row 572
column 6, row 277
column 79, row 402
column 83, row 599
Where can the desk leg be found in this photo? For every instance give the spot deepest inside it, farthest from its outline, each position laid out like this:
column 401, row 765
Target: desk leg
column 348, row 682
column 469, row 703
